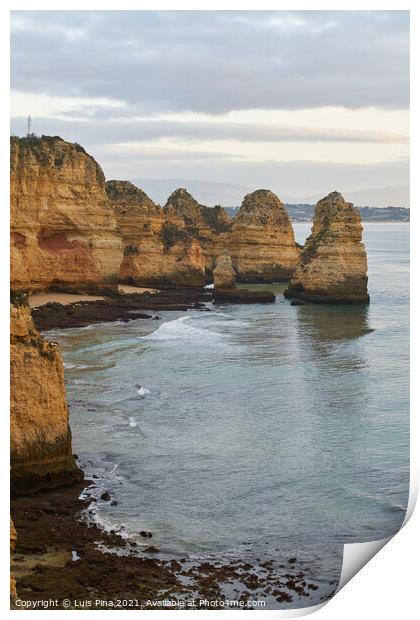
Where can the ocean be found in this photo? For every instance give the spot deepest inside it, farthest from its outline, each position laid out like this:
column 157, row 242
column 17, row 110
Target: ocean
column 260, row 431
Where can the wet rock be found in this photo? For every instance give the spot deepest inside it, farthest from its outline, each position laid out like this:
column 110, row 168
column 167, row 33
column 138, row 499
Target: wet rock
column 151, row 549
column 145, row 534
column 105, row 496
column 243, row 296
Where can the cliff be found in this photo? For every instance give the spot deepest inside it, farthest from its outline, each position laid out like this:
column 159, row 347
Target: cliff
column 209, row 225
column 333, row 264
column 71, row 230
column 63, row 230
column 158, row 250
column 41, row 454
column 262, row 243
column 260, row 240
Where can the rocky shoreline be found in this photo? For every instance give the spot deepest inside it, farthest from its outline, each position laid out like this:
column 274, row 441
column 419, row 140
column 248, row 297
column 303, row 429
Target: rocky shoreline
column 61, row 556
column 128, row 307
column 125, row 307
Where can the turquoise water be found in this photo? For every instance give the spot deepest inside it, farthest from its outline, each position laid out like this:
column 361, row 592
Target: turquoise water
column 266, row 430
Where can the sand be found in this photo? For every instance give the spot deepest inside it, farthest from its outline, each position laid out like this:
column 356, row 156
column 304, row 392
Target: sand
column 40, row 299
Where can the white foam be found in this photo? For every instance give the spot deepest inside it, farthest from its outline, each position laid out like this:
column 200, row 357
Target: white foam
column 142, row 391
column 183, row 329
column 132, row 423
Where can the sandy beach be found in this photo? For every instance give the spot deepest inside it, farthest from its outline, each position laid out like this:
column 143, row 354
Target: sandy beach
column 40, row 299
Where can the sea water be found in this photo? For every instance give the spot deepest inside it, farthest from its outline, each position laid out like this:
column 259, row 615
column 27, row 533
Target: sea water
column 262, row 430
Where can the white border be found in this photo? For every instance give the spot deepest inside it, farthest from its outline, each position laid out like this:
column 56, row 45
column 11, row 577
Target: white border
column 387, row 586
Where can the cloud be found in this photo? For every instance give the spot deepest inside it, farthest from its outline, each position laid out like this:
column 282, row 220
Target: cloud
column 215, row 61
column 102, row 131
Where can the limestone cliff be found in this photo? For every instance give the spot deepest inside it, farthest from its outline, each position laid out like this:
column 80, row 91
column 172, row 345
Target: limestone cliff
column 63, row 230
column 260, row 240
column 158, row 248
column 209, row 225
column 224, row 273
column 333, row 265
column 41, row 454
column 262, row 243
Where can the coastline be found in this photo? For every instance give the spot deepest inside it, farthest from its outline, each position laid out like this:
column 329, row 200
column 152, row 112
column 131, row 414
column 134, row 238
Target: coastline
column 63, row 553
column 60, row 555
column 120, row 307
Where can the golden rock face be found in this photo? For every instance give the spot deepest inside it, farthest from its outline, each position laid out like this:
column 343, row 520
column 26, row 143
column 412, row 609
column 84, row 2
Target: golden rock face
column 224, row 274
column 262, row 242
column 71, row 229
column 333, row 264
column 158, row 248
column 40, row 439
column 260, row 239
column 63, row 230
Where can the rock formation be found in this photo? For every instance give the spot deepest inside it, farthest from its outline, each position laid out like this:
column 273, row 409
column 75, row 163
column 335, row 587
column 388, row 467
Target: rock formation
column 209, row 225
column 333, row 264
column 13, row 594
column 63, row 230
column 225, row 290
column 41, row 454
column 158, row 249
column 224, row 273
column 262, row 243
column 260, row 240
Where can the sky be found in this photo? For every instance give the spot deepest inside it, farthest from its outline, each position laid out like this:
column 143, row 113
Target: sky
column 300, row 102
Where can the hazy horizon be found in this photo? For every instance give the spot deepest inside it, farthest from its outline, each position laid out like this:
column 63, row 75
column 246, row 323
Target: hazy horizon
column 318, row 101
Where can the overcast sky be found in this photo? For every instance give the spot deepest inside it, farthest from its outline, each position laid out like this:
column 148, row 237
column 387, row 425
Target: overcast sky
column 300, row 102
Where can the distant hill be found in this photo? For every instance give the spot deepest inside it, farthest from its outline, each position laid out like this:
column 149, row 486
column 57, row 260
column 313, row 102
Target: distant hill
column 229, row 194
column 304, row 213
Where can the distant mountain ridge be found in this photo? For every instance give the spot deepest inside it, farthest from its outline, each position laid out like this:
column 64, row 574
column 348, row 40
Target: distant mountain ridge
column 231, row 195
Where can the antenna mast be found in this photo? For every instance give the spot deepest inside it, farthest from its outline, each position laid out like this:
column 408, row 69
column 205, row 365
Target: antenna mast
column 29, row 126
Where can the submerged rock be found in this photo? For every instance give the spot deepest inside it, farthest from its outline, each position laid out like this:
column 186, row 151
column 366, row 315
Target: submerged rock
column 243, row 296
column 224, row 274
column 333, row 264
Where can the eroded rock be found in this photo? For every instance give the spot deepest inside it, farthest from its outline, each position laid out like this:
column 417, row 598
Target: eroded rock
column 333, row 264
column 224, row 274
column 41, row 454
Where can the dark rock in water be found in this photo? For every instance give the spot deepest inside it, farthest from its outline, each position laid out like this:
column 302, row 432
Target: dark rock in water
column 292, row 560
column 243, row 296
column 144, row 534
column 297, row 302
column 156, row 318
column 114, row 502
column 105, row 496
column 151, row 549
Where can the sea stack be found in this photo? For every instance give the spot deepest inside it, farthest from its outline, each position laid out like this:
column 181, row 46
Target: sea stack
column 224, row 273
column 225, row 290
column 41, row 452
column 262, row 243
column 333, row 264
